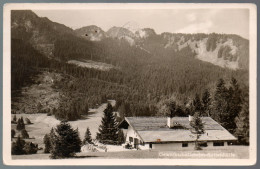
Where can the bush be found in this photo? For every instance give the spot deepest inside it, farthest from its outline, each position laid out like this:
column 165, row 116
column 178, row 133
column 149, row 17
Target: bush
column 20, row 147
column 30, row 148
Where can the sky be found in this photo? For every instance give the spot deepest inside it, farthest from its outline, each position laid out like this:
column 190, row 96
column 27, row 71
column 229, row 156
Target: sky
column 228, row 21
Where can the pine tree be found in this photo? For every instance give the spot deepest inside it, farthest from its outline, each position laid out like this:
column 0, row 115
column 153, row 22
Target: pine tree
column 220, row 104
column 65, row 141
column 121, row 137
column 87, row 138
column 234, row 103
column 197, row 128
column 242, row 123
column 172, row 108
column 108, row 132
column 20, row 124
column 17, row 146
column 206, row 102
column 25, row 134
column 47, row 143
column 197, row 104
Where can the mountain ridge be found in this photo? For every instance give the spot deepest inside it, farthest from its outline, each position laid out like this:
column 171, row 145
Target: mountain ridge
column 218, row 49
column 224, row 50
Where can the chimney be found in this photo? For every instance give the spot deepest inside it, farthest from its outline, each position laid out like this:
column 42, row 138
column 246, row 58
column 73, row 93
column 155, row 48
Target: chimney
column 190, row 118
column 170, row 122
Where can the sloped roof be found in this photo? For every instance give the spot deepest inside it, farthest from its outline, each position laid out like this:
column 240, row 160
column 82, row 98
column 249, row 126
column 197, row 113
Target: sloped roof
column 150, row 129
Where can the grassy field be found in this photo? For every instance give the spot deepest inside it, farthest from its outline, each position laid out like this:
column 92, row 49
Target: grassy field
column 42, row 124
column 236, row 152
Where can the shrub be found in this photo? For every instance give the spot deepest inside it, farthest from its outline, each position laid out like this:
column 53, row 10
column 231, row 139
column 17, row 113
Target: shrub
column 28, row 121
column 30, row 148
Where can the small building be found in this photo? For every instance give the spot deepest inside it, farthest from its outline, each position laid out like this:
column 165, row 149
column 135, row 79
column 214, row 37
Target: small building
column 165, row 133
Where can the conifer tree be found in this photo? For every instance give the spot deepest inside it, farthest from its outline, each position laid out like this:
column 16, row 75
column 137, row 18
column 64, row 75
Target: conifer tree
column 197, row 128
column 65, row 141
column 227, row 104
column 28, row 121
column 87, row 138
column 20, row 124
column 121, row 137
column 108, row 132
column 206, row 102
column 242, row 123
column 17, row 146
column 172, row 108
column 197, row 104
column 234, row 103
column 47, row 143
column 24, row 134
column 12, row 133
column 220, row 113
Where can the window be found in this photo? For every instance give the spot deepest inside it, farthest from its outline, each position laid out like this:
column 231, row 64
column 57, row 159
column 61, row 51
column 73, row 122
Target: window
column 203, row 144
column 184, row 144
column 130, row 139
column 218, row 143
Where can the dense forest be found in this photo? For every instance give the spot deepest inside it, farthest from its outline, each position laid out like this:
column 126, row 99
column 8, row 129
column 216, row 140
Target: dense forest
column 142, row 82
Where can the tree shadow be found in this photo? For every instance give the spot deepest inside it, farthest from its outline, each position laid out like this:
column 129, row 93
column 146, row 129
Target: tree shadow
column 85, row 156
column 86, row 116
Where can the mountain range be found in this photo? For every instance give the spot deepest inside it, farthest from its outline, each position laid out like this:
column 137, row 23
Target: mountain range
column 227, row 51
column 140, row 69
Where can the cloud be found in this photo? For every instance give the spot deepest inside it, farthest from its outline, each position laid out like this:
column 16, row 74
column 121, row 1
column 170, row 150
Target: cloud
column 202, row 27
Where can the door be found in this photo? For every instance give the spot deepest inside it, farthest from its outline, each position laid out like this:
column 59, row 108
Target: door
column 136, row 142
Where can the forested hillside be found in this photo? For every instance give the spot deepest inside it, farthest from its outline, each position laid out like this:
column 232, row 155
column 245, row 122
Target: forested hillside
column 148, row 73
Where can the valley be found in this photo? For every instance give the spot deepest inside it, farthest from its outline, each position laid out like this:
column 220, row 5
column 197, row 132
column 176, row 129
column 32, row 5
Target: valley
column 63, row 75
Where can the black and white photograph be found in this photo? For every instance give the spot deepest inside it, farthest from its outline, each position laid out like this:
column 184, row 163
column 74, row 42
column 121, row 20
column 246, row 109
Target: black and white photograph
column 129, row 84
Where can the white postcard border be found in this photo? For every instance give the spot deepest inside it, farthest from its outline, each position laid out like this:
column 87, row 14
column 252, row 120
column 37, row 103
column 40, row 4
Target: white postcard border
column 101, row 162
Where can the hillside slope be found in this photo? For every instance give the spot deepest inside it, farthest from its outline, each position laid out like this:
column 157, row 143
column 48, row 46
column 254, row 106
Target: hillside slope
column 152, row 68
